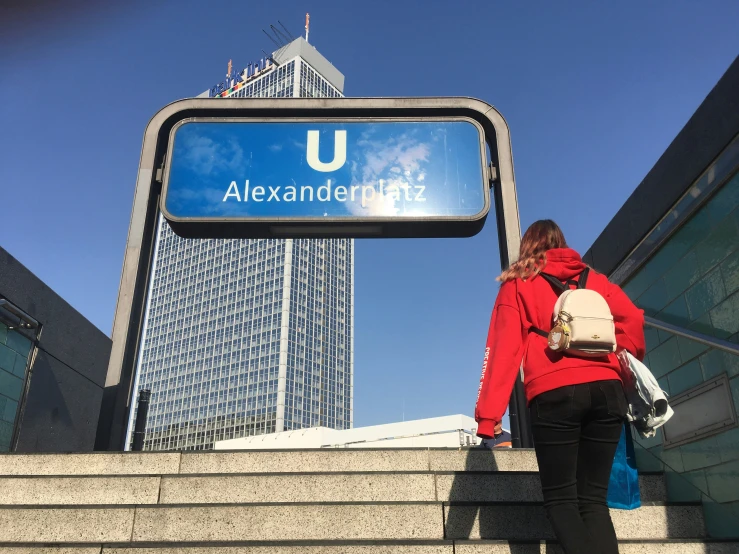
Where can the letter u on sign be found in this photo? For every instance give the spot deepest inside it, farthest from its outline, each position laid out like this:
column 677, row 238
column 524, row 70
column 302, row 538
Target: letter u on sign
column 339, row 152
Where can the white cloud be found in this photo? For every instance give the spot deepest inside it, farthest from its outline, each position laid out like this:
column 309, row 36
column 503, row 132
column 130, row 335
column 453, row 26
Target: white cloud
column 404, row 154
column 398, row 161
column 204, row 156
column 410, row 158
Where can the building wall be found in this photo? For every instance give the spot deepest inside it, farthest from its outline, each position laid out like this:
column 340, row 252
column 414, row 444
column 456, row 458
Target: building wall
column 307, row 52
column 212, row 340
column 447, row 431
column 60, row 389
column 278, row 83
column 692, row 281
column 319, row 341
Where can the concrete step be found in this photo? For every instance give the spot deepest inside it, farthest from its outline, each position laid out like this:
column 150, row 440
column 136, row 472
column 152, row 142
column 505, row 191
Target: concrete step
column 624, row 547
column 500, row 521
column 320, row 501
column 96, row 463
column 425, row 547
column 319, row 522
column 39, row 491
column 221, row 523
column 284, row 488
column 510, row 487
column 280, row 461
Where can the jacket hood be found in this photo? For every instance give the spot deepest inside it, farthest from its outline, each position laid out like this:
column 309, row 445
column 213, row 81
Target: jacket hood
column 564, row 263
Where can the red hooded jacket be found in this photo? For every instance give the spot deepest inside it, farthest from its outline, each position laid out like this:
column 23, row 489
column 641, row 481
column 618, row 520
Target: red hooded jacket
column 523, row 304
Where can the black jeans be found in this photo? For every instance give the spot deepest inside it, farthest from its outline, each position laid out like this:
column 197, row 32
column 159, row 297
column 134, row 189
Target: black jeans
column 576, row 430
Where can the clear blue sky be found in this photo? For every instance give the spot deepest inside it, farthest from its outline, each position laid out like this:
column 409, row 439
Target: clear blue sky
column 593, row 92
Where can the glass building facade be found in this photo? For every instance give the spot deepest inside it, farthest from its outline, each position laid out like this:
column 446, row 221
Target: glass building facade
column 690, row 280
column 278, row 83
column 245, row 337
column 15, row 351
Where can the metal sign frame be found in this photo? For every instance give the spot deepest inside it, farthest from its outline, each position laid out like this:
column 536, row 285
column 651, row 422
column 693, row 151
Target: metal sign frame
column 336, row 227
column 137, row 264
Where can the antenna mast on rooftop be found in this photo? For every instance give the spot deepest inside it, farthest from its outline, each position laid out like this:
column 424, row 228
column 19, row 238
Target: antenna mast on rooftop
column 307, row 26
column 292, row 38
column 270, row 37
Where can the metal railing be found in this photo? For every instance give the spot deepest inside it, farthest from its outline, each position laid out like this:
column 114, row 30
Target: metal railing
column 713, row 342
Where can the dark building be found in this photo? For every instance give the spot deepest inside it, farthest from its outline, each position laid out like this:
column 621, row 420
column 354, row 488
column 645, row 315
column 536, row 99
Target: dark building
column 53, row 364
column 674, row 247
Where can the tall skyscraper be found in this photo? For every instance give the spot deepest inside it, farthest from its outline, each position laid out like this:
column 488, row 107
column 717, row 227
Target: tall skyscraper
column 244, row 337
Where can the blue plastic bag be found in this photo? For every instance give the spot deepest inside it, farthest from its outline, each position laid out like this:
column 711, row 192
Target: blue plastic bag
column 623, row 486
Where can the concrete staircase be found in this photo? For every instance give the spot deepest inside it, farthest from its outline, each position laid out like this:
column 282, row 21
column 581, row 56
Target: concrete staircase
column 416, row 501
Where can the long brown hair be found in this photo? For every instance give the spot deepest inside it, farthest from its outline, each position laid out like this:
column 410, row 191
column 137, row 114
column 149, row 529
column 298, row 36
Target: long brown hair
column 540, row 237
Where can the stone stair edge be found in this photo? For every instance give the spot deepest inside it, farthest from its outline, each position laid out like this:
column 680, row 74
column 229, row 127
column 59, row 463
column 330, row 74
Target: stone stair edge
column 481, row 472
column 283, row 488
column 344, row 542
column 240, row 451
column 441, row 503
column 718, row 546
column 522, row 473
column 218, row 461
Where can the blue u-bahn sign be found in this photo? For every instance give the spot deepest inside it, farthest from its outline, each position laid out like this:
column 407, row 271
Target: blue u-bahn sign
column 371, row 178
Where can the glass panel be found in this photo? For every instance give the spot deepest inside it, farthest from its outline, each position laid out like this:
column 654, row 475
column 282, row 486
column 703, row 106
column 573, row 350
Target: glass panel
column 15, row 351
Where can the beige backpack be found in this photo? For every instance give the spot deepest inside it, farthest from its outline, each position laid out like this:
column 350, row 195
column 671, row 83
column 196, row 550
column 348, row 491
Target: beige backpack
column 583, row 324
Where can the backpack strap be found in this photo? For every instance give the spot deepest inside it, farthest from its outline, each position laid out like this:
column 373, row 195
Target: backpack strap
column 557, row 285
column 560, row 287
column 539, row 332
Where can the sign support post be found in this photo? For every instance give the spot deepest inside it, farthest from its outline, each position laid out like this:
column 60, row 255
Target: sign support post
column 161, row 179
